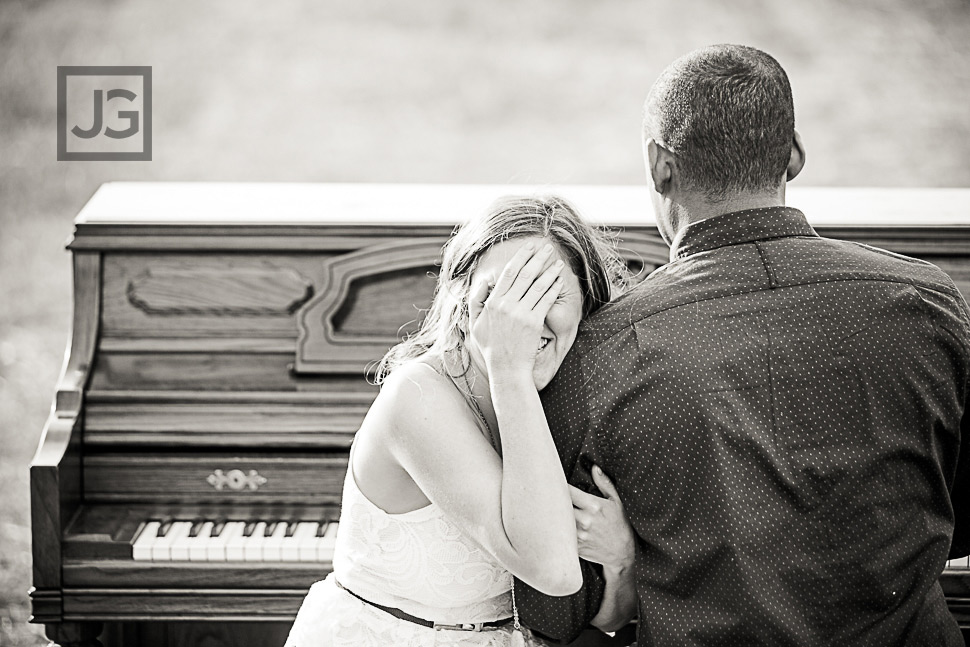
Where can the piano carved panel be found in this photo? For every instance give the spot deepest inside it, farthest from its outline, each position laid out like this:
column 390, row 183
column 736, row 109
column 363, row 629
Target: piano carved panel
column 371, row 299
column 169, row 301
column 220, row 291
column 367, row 281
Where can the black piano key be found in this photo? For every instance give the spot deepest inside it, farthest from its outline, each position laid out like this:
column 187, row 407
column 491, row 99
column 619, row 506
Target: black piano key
column 165, row 527
column 270, row 528
column 218, row 525
column 291, row 527
column 196, row 527
column 322, row 528
column 250, row 528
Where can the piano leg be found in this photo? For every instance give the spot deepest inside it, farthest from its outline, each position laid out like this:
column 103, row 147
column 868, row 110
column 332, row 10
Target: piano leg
column 74, row 634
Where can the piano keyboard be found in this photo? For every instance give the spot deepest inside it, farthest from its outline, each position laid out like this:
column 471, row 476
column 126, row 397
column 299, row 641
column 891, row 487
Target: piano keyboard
column 235, row 541
column 961, row 563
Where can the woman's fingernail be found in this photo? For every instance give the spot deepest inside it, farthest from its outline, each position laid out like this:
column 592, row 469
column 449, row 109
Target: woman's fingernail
column 558, row 264
column 547, row 248
column 596, row 468
column 530, row 245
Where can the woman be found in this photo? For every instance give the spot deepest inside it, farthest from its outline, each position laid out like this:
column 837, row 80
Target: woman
column 454, row 483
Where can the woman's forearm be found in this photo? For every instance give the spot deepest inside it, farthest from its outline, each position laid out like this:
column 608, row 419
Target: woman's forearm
column 536, row 507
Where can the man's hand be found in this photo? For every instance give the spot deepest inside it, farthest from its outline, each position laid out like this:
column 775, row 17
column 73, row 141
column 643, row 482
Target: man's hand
column 604, row 534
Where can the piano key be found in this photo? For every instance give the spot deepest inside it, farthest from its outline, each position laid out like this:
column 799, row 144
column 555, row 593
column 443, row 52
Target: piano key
column 291, row 545
column 165, row 527
column 196, row 527
column 218, row 526
column 271, row 528
column 322, row 528
column 141, row 549
column 253, row 549
column 273, row 546
column 326, row 545
column 236, row 544
column 216, row 550
column 161, row 549
column 199, row 544
column 291, row 527
column 306, row 541
column 250, row 528
column 179, row 550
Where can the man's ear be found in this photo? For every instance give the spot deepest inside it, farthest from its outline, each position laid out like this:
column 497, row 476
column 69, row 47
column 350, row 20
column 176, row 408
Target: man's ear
column 797, row 160
column 660, row 163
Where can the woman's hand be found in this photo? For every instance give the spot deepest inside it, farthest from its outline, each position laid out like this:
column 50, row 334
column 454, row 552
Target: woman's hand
column 507, row 319
column 604, row 534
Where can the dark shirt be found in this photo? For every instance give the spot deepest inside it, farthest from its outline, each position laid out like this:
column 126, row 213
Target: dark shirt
column 781, row 414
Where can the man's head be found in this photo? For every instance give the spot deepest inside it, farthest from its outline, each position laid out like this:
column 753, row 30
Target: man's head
column 719, row 129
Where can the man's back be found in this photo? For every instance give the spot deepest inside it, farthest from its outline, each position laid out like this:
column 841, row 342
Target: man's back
column 781, row 415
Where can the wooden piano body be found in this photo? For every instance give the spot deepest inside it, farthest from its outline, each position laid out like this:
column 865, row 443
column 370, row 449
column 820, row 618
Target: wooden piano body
column 217, row 372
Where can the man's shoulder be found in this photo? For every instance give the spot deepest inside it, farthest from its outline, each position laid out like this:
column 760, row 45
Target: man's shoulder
column 657, row 293
column 862, row 261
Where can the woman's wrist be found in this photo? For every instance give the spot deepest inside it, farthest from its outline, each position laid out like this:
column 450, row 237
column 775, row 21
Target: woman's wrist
column 510, row 376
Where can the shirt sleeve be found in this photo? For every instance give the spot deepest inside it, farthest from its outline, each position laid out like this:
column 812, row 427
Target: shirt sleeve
column 960, row 490
column 565, row 402
column 561, row 618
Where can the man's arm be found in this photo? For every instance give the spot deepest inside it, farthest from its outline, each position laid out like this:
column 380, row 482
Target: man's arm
column 960, row 492
column 561, row 618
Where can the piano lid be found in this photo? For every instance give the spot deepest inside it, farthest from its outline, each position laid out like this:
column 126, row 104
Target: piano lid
column 214, row 215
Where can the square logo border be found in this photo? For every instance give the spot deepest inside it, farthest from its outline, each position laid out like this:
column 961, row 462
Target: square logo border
column 144, row 71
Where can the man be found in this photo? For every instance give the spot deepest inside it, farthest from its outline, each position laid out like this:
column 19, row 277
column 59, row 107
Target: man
column 781, row 413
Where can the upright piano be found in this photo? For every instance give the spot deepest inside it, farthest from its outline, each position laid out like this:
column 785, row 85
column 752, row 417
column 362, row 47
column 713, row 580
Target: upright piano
column 186, row 489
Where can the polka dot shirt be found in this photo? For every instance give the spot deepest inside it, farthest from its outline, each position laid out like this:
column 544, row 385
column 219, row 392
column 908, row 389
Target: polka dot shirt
column 781, row 414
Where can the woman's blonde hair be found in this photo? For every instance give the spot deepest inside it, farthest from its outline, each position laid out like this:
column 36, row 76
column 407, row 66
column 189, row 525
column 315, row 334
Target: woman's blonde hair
column 589, row 251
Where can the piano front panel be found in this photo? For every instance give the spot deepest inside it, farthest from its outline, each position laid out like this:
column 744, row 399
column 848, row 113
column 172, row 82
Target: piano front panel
column 215, row 477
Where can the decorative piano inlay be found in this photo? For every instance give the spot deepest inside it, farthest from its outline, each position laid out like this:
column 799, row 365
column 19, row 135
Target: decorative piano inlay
column 212, row 540
column 236, row 480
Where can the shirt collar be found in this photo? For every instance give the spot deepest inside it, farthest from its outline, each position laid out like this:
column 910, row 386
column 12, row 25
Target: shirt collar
column 739, row 227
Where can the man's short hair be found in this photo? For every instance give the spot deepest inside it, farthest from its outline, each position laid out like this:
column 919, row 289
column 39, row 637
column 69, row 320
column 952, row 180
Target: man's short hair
column 726, row 112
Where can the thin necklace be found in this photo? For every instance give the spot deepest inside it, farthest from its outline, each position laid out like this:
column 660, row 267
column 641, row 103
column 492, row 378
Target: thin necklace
column 481, row 415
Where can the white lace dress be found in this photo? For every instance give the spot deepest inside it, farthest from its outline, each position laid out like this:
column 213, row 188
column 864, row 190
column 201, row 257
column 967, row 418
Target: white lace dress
column 418, row 562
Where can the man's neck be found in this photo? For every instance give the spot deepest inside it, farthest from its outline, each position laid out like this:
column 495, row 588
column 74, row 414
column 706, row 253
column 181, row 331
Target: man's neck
column 702, row 209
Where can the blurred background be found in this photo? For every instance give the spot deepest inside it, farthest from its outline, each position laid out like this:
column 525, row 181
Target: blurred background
column 539, row 92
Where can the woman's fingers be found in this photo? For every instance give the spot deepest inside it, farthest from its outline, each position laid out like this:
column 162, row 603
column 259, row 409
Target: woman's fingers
column 476, row 300
column 542, row 286
column 511, row 270
column 532, row 270
column 605, row 485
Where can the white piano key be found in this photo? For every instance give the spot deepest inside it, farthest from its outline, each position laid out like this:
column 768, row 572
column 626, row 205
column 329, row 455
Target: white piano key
column 162, row 549
column 306, row 541
column 325, row 546
column 236, row 546
column 141, row 549
column 273, row 546
column 179, row 550
column 253, row 548
column 216, row 550
column 199, row 545
column 290, row 551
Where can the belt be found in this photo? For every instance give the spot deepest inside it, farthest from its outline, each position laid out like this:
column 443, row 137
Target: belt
column 403, row 615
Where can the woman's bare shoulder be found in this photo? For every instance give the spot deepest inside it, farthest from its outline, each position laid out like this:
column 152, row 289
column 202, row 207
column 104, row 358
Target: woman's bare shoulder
column 419, row 393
